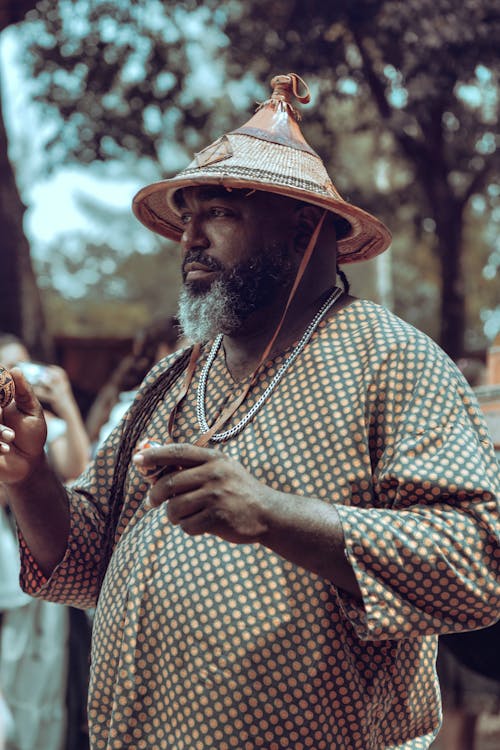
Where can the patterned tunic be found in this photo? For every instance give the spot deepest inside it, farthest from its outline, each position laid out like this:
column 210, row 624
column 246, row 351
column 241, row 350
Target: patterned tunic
column 200, row 643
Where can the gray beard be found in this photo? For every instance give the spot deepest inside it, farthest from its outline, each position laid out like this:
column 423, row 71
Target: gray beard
column 225, row 306
column 203, row 316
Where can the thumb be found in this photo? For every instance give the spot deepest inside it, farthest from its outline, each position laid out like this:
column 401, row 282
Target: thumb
column 25, row 398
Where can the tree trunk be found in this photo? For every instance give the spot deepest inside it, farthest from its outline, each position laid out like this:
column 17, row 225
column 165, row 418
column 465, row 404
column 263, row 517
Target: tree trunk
column 13, row 11
column 21, row 309
column 448, row 218
column 432, row 172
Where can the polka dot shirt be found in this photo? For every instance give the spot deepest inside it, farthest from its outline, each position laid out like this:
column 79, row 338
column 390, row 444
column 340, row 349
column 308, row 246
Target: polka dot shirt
column 199, row 643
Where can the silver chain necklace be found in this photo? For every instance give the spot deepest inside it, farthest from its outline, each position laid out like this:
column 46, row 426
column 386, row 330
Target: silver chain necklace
column 219, row 437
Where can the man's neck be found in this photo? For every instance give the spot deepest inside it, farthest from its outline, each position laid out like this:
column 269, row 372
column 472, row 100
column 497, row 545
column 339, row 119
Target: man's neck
column 244, row 348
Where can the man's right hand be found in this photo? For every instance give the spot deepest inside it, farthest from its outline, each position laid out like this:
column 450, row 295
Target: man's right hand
column 23, row 432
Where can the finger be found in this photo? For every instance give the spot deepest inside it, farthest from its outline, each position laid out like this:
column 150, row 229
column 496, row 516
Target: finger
column 205, row 521
column 150, row 471
column 44, row 393
column 41, row 389
column 177, row 455
column 7, row 437
column 25, row 399
column 175, row 483
column 180, row 508
column 178, row 481
column 55, row 371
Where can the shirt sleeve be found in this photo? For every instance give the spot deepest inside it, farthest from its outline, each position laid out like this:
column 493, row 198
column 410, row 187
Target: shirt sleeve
column 426, row 557
column 76, row 580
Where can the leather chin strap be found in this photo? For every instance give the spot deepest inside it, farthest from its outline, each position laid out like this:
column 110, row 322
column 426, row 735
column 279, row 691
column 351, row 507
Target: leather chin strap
column 231, row 408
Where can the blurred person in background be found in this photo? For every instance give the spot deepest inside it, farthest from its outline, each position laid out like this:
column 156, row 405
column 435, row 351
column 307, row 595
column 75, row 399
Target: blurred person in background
column 468, row 667
column 11, row 597
column 44, row 652
column 153, row 342
column 468, row 664
column 68, row 444
column 6, row 724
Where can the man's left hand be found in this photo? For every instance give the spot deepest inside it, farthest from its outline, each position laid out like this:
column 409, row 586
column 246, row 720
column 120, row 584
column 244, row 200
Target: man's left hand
column 208, row 492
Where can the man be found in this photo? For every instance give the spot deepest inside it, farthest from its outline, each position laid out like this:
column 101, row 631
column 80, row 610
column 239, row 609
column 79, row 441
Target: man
column 315, row 500
column 41, row 642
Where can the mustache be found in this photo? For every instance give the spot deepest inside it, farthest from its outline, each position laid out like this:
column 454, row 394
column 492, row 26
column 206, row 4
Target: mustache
column 197, row 256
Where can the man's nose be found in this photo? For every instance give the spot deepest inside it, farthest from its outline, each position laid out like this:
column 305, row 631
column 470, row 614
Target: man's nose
column 194, row 236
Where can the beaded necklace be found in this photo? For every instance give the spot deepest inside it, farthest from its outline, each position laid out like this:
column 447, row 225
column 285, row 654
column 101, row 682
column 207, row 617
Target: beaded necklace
column 219, row 437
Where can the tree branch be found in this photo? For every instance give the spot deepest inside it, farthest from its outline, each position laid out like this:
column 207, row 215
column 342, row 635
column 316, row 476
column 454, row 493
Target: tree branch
column 478, row 181
column 413, row 149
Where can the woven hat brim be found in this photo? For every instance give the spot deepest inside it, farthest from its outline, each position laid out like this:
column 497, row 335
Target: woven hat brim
column 369, row 236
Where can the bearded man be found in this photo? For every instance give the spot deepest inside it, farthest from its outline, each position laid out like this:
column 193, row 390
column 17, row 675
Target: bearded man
column 295, row 506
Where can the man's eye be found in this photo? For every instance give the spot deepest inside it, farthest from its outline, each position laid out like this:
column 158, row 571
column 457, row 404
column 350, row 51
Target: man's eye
column 219, row 211
column 185, row 218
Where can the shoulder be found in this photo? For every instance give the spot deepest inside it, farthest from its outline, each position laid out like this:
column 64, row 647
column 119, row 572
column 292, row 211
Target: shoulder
column 176, row 361
column 370, row 325
column 367, row 333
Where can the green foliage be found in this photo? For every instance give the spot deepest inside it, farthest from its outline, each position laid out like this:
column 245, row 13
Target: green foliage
column 115, row 294
column 405, row 101
column 114, row 318
column 424, row 71
column 119, row 75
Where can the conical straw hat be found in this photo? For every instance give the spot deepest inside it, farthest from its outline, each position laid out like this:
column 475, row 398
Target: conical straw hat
column 268, row 153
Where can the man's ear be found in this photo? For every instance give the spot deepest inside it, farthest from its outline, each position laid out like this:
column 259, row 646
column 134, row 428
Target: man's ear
column 306, row 221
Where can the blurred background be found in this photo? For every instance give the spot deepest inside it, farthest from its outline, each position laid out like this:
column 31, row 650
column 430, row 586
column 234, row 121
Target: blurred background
column 99, row 98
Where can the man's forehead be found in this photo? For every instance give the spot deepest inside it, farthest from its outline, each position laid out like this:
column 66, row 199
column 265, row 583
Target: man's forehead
column 208, row 193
